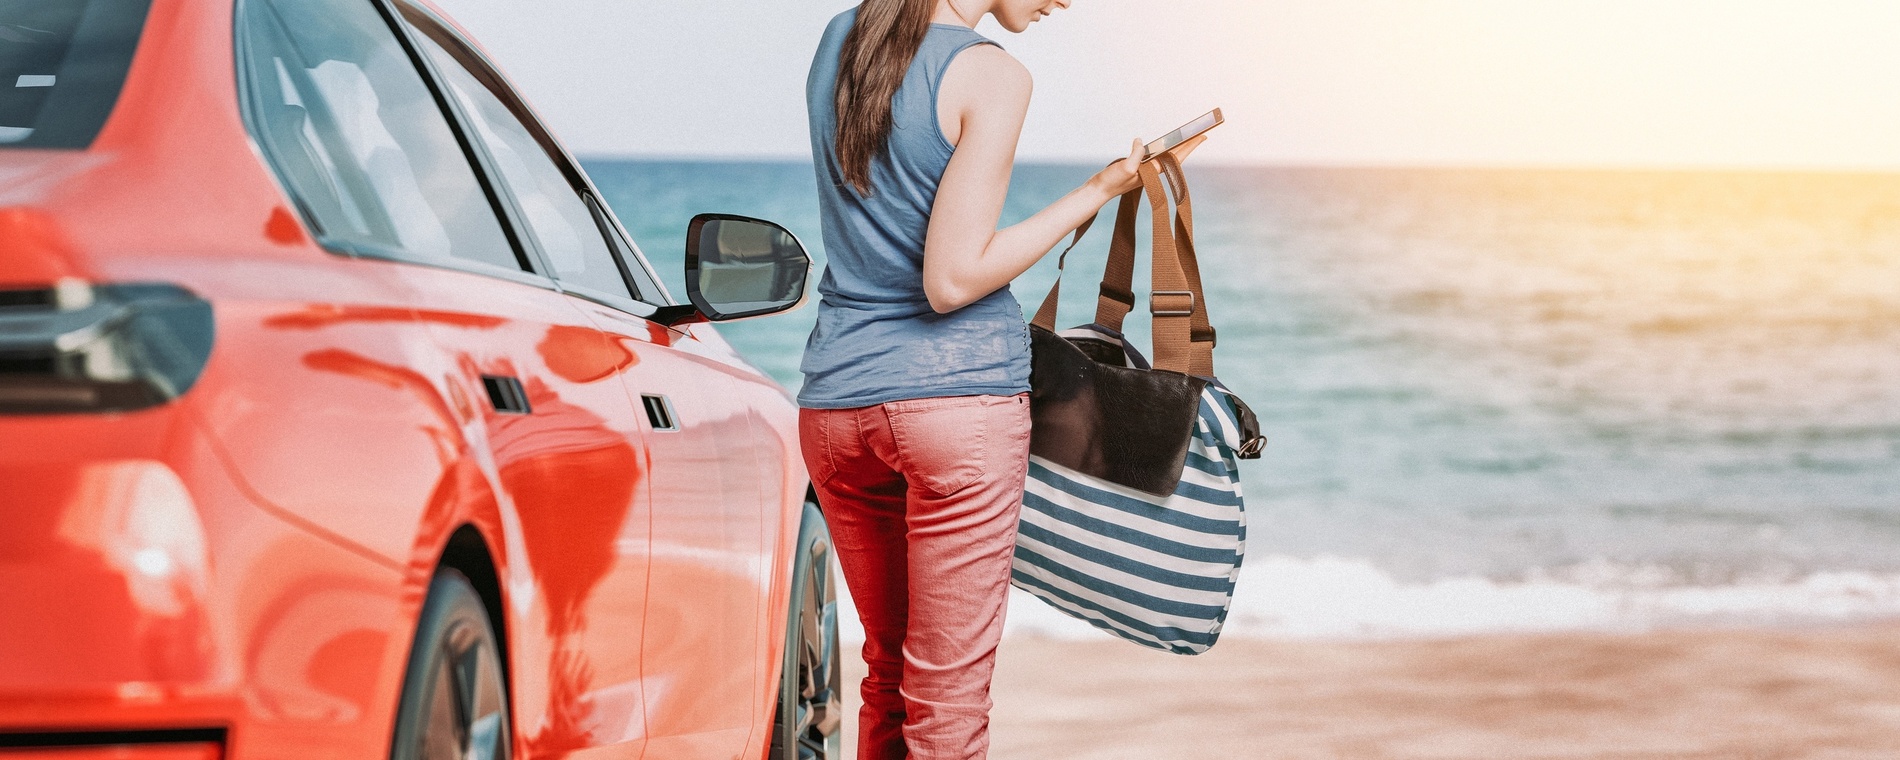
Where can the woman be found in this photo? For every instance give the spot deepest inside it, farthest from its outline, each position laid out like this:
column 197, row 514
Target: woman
column 915, row 419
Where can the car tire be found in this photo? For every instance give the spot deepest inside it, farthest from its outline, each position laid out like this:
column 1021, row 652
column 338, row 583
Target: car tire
column 454, row 700
column 810, row 703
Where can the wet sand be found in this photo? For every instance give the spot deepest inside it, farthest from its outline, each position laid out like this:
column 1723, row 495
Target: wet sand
column 1729, row 694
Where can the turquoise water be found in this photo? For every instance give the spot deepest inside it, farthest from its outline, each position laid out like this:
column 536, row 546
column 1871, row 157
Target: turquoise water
column 1504, row 399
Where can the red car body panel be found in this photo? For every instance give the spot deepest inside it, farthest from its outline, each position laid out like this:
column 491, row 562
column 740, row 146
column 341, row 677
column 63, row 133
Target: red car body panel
column 253, row 556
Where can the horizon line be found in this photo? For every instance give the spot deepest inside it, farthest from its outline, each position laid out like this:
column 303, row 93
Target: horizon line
column 1629, row 168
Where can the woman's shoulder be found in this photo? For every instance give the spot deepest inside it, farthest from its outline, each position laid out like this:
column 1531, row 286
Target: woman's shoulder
column 840, row 24
column 983, row 86
column 991, row 69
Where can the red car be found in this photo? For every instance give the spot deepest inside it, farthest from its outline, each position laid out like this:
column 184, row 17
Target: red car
column 340, row 418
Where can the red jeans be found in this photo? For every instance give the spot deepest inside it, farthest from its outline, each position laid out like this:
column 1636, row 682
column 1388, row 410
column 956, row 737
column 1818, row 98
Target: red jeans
column 922, row 497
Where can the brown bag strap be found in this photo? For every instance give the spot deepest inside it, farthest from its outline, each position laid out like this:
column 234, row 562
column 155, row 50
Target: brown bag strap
column 1121, row 269
column 1116, row 296
column 1201, row 334
column 1046, row 315
column 1171, row 300
column 1183, row 336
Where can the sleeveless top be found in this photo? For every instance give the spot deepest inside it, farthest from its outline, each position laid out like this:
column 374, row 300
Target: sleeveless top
column 877, row 339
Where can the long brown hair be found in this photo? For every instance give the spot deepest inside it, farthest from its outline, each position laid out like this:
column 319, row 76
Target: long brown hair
column 877, row 54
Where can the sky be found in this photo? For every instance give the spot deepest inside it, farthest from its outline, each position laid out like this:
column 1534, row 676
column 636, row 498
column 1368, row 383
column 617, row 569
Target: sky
column 1764, row 84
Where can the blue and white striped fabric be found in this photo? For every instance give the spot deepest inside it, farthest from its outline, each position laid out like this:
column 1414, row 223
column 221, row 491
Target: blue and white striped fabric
column 1157, row 571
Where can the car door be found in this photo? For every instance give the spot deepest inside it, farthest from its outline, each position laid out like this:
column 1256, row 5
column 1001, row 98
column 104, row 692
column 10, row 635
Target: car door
column 588, row 485
column 389, row 169
column 703, row 667
column 701, row 642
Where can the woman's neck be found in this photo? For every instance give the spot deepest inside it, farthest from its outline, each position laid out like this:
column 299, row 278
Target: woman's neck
column 959, row 12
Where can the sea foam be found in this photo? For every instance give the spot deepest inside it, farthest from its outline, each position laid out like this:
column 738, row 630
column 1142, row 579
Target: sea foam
column 1282, row 597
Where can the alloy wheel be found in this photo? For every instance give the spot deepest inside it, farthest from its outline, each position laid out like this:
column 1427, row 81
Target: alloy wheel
column 811, row 709
column 455, row 704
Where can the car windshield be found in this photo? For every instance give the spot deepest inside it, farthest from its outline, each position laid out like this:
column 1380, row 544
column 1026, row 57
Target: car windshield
column 62, row 63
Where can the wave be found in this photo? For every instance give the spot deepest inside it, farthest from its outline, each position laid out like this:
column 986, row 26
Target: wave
column 1282, row 597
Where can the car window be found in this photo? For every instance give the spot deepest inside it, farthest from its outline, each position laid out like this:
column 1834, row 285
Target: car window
column 358, row 138
column 62, row 65
column 570, row 235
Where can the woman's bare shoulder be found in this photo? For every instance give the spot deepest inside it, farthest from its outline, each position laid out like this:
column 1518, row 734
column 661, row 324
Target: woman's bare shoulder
column 991, row 68
column 983, row 84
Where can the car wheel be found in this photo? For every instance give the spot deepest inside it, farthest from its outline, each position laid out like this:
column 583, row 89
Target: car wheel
column 454, row 703
column 810, row 704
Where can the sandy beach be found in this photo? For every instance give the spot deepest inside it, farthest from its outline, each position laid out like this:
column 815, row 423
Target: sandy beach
column 1729, row 694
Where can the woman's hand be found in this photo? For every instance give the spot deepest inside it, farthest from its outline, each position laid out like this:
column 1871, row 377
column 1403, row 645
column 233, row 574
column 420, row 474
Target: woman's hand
column 966, row 258
column 1122, row 176
column 1125, row 175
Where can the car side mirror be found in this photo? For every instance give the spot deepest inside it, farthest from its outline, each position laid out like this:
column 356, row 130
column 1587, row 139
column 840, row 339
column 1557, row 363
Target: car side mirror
column 739, row 267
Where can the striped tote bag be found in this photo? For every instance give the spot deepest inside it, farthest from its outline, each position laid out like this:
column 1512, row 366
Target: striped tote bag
column 1155, row 570
column 1132, row 516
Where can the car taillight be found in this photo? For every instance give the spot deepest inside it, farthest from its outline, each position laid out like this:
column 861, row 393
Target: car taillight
column 151, row 752
column 80, row 347
column 162, row 744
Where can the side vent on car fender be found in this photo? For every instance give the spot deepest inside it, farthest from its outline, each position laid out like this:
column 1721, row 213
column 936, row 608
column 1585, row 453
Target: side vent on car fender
column 660, row 413
column 506, row 394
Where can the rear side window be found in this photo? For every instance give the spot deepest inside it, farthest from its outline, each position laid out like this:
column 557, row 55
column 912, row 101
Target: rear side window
column 561, row 222
column 62, row 64
column 357, row 137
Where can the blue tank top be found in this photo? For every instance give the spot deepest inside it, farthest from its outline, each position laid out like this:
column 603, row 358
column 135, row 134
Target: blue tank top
column 877, row 338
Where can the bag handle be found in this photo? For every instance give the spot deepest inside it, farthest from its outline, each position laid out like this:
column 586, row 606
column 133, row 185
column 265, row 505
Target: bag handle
column 1171, row 298
column 1201, row 334
column 1046, row 314
column 1116, row 297
column 1183, row 336
column 1121, row 264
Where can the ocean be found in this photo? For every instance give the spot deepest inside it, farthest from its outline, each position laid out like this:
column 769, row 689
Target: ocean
column 1498, row 400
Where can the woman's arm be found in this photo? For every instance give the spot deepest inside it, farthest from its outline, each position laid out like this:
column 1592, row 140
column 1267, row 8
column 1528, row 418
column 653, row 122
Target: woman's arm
column 983, row 101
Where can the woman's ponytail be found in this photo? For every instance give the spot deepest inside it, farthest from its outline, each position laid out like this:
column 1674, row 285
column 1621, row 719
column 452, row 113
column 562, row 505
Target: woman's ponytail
column 877, row 54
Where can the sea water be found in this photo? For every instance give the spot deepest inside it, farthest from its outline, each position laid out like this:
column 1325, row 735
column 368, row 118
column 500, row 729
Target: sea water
column 1498, row 399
